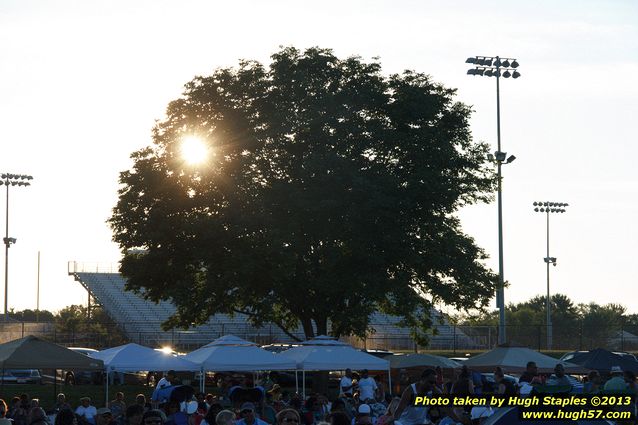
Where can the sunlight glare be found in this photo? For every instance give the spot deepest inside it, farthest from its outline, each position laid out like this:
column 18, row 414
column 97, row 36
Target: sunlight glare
column 194, row 150
column 166, row 350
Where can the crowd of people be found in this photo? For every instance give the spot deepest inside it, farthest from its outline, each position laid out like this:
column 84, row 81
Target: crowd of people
column 362, row 400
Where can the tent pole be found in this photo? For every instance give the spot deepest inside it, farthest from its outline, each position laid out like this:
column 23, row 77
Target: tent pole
column 389, row 383
column 303, row 383
column 55, row 385
column 202, row 380
column 296, row 382
column 106, row 392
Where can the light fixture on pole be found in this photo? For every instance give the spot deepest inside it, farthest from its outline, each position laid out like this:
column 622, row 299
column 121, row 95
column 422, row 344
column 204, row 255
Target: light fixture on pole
column 495, row 66
column 547, row 208
column 10, row 180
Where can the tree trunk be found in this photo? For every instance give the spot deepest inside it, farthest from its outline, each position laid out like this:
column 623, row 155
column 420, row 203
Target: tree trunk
column 306, row 324
column 322, row 326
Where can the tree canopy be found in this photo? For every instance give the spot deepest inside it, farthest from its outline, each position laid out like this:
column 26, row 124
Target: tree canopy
column 574, row 325
column 329, row 193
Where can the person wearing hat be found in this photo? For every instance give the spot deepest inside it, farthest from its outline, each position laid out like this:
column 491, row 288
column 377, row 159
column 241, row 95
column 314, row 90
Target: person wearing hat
column 86, row 411
column 364, row 415
column 104, row 416
column 617, row 381
column 249, row 416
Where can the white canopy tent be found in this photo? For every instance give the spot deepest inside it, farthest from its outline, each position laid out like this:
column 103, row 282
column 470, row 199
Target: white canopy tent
column 325, row 353
column 231, row 353
column 133, row 358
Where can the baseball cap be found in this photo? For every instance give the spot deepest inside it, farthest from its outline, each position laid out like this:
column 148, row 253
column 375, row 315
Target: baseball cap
column 103, row 410
column 364, row 409
column 247, row 406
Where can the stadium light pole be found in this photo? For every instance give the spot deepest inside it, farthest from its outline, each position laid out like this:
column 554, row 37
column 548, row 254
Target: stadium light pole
column 495, row 66
column 10, row 180
column 547, row 208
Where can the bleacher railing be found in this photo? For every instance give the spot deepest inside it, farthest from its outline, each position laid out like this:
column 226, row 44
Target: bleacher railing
column 88, row 267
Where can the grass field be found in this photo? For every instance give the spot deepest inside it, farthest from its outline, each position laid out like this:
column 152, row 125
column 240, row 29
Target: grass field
column 47, row 393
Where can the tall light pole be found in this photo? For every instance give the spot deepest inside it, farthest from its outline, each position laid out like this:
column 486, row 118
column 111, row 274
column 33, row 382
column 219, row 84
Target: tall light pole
column 495, row 66
column 10, row 180
column 547, row 208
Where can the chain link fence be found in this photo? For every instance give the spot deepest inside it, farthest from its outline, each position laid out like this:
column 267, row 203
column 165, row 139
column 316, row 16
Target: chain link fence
column 455, row 338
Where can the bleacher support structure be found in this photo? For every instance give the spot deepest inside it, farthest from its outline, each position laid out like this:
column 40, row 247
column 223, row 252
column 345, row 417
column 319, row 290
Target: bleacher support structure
column 141, row 321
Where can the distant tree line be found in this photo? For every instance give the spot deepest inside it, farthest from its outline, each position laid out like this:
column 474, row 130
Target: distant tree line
column 574, row 325
column 75, row 320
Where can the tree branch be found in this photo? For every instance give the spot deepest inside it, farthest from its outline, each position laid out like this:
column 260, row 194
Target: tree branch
column 276, row 323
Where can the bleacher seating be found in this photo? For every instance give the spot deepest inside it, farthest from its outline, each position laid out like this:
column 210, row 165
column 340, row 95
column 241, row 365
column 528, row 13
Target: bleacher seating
column 141, row 320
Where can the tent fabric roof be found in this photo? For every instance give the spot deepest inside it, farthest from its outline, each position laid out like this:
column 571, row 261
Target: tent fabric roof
column 220, row 357
column 32, row 352
column 325, row 356
column 134, row 357
column 402, row 361
column 230, row 340
column 514, row 360
column 325, row 341
column 602, row 361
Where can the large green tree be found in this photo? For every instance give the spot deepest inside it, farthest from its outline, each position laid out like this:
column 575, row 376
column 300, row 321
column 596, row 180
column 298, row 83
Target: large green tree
column 330, row 193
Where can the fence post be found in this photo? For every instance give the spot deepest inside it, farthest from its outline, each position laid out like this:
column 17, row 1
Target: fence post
column 580, row 342
column 489, row 337
column 22, row 329
column 622, row 338
column 454, row 338
column 540, row 337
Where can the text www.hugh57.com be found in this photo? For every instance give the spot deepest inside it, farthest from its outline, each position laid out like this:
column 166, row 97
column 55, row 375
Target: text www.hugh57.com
column 575, row 415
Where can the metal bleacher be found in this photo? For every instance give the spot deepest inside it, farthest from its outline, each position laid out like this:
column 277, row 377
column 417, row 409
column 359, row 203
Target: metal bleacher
column 141, row 320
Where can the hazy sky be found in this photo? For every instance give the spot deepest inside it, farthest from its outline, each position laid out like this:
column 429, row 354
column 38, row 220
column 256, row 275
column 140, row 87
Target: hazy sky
column 82, row 82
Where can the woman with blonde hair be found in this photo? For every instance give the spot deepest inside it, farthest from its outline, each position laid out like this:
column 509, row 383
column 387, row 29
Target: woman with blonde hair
column 225, row 417
column 288, row 417
column 3, row 413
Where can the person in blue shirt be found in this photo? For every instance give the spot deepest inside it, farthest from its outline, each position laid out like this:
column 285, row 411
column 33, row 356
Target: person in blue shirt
column 248, row 415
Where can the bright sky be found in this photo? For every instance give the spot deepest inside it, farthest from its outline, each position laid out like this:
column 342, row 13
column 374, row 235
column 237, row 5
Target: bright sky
column 82, row 82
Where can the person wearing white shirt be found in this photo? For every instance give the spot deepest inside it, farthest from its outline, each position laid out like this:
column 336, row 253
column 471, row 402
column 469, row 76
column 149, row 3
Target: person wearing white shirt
column 345, row 385
column 86, row 410
column 367, row 387
column 166, row 381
